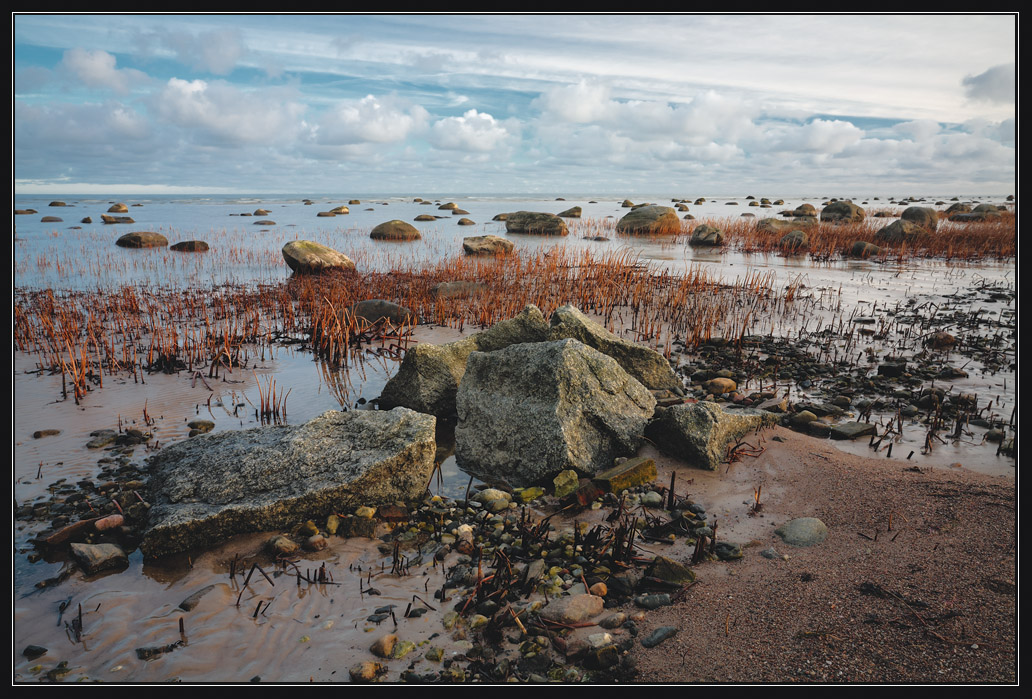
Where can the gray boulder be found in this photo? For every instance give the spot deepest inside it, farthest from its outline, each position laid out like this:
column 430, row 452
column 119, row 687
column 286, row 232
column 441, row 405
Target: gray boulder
column 650, row 220
column 644, row 364
column 572, row 212
column 529, row 411
column 707, row 235
column 308, row 257
column 93, row 558
column 794, row 241
column 214, row 486
column 699, row 433
column 429, row 376
column 487, row 245
column 535, row 223
column 901, row 231
column 842, row 212
column 922, row 216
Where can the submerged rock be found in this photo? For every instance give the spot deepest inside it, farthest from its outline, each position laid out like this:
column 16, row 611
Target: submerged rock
column 528, row 411
column 699, row 433
column 374, row 310
column 214, row 486
column 142, row 239
column 395, row 230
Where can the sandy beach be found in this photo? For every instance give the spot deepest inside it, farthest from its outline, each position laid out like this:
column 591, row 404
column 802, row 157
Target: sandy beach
column 933, row 599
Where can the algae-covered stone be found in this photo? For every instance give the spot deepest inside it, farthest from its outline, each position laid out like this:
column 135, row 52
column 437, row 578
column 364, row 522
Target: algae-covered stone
column 565, row 483
column 629, row 474
column 213, row 486
column 699, row 433
column 669, row 570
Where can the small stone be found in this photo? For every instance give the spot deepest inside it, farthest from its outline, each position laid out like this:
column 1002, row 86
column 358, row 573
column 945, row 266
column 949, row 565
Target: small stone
column 565, row 483
column 282, row 546
column 383, row 647
column 33, row 652
column 365, row 512
column 652, row 601
column 658, row 636
column 803, row 531
column 367, row 672
column 613, row 621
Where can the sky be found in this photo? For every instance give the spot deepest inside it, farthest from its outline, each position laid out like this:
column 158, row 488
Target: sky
column 714, row 104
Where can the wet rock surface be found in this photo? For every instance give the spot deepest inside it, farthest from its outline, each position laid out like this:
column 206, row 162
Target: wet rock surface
column 212, row 486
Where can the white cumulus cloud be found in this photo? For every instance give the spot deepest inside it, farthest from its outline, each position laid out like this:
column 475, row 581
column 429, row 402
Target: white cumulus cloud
column 473, row 131
column 369, row 120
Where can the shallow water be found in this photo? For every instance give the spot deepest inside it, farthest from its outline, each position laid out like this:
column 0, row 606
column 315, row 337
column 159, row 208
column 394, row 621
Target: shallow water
column 137, row 607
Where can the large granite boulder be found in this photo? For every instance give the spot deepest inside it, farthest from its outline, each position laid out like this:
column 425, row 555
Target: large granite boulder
column 142, row 239
column 116, row 219
column 487, row 245
column 118, row 209
column 395, row 230
column 842, row 212
column 208, row 488
column 923, row 216
column 429, row 376
column 309, row 257
column 650, row 220
column 646, row 365
column 535, row 223
column 699, row 433
column 529, row 411
column 572, row 212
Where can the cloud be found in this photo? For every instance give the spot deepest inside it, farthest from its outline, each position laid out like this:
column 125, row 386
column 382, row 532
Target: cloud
column 227, row 115
column 369, row 120
column 998, row 84
column 918, row 130
column 97, row 69
column 473, row 131
column 216, row 51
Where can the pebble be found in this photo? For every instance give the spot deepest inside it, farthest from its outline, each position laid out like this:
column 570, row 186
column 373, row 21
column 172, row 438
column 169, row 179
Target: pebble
column 658, row 636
